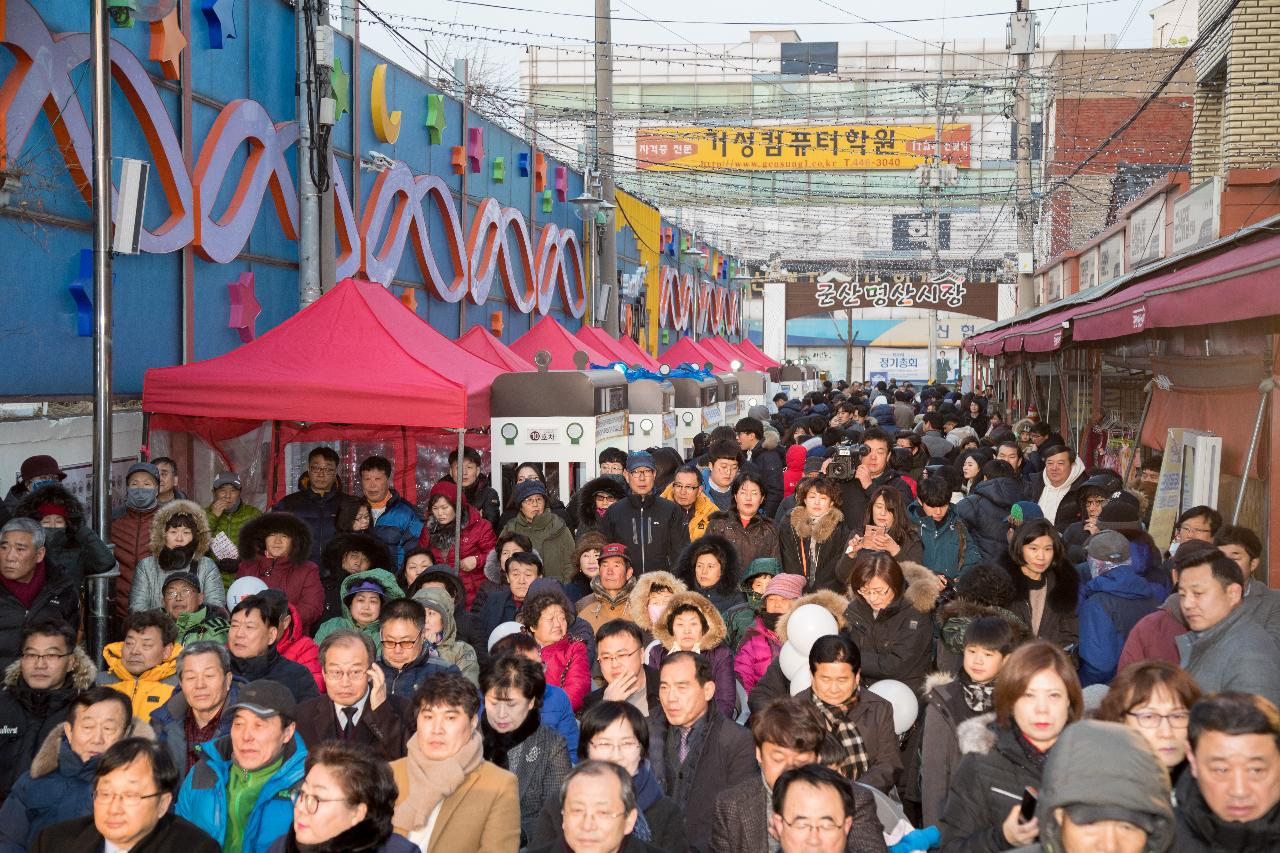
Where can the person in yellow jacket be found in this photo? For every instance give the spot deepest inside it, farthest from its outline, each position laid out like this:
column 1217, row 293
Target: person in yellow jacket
column 686, row 492
column 144, row 666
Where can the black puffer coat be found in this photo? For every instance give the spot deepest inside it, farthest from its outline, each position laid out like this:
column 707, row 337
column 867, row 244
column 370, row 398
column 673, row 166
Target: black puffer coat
column 988, row 783
column 28, row 715
column 985, row 511
column 77, row 549
column 583, row 505
column 898, row 642
column 795, row 536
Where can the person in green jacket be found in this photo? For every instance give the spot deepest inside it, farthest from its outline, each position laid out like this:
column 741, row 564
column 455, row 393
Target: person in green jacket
column 753, row 585
column 185, row 604
column 228, row 513
column 362, row 597
column 547, row 531
column 444, row 637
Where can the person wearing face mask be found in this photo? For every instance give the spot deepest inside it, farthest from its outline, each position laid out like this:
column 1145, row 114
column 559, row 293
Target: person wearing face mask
column 179, row 540
column 36, row 473
column 515, row 738
column 760, row 645
column 131, row 532
column 594, row 499
column 70, row 542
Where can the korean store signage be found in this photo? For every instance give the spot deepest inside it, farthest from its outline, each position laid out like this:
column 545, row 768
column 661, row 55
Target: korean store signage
column 825, row 148
column 946, row 291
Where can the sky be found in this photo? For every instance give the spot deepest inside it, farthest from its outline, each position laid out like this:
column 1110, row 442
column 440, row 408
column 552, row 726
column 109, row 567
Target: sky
column 499, row 29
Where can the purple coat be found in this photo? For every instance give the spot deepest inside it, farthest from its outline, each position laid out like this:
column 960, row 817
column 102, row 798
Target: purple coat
column 712, row 647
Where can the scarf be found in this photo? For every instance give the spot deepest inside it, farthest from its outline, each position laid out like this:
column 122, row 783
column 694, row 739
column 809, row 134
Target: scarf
column 365, row 837
column 431, row 782
column 648, row 792
column 1031, row 751
column 855, row 760
column 770, row 621
column 176, row 559
column 977, row 697
column 441, row 535
column 497, row 744
column 27, row 592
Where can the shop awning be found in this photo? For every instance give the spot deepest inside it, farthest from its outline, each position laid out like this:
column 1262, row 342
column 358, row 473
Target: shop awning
column 757, row 355
column 602, row 342
column 638, row 356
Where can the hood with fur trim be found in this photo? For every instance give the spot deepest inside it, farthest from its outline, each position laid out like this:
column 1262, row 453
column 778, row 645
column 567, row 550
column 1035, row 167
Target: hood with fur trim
column 57, row 494
column 976, row 736
column 253, row 536
column 933, row 681
column 827, row 524
column 834, row 603
column 161, row 520
column 46, row 760
column 82, row 672
column 342, row 544
column 610, row 483
column 922, row 586
column 730, row 572
column 638, row 606
column 716, row 631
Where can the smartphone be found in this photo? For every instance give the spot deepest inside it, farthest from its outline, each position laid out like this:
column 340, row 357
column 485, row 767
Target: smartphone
column 872, row 530
column 1027, row 810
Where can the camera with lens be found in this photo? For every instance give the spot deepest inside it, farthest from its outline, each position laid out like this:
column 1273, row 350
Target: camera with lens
column 845, row 459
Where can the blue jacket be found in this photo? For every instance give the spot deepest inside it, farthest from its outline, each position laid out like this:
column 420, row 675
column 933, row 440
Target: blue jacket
column 402, row 682
column 398, row 527
column 942, row 542
column 883, row 415
column 58, row 787
column 1113, row 604
column 498, row 607
column 558, row 714
column 985, row 513
column 203, row 796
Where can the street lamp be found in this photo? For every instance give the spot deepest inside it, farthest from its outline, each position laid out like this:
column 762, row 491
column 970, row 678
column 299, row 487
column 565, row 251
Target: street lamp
column 585, row 207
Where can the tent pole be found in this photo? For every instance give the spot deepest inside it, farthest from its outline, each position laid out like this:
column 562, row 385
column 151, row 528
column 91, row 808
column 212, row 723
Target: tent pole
column 457, row 515
column 1268, row 385
column 1137, row 437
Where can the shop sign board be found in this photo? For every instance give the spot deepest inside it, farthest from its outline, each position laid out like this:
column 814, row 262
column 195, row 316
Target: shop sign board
column 1111, row 258
column 1146, row 233
column 950, row 290
column 1195, row 217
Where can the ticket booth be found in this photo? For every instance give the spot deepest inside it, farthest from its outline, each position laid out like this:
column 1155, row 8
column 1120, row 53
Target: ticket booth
column 730, row 408
column 697, row 409
column 753, row 390
column 789, row 379
column 559, row 418
column 651, row 414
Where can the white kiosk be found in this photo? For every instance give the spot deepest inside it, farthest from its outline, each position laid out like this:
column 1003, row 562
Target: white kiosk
column 753, row 390
column 730, row 409
column 697, row 408
column 789, row 379
column 559, row 418
column 651, row 414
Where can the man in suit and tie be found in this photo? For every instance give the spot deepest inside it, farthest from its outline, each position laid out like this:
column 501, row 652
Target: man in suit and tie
column 357, row 707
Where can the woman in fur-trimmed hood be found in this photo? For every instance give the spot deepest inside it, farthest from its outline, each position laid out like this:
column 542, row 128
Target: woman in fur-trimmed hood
column 890, row 618
column 814, row 536
column 649, row 597
column 774, row 684
column 179, row 542
column 74, row 547
column 344, row 555
column 691, row 623
column 275, row 547
column 709, row 566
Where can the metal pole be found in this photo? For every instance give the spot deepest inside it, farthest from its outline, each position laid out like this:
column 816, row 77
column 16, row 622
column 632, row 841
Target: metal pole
column 608, row 255
column 935, row 182
column 457, row 515
column 1022, row 123
column 100, row 48
column 1268, row 385
column 1137, row 439
column 308, row 195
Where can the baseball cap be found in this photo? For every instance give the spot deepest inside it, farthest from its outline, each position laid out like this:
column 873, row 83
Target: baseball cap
column 227, row 478
column 614, row 549
column 1109, row 546
column 266, row 699
column 181, row 577
column 640, row 459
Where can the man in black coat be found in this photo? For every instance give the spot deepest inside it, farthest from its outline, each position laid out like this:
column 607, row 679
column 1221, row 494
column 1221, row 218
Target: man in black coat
column 319, row 503
column 357, row 708
column 650, row 526
column 31, row 589
column 694, row 751
column 251, row 639
column 38, row 689
column 627, row 678
column 133, row 767
column 750, row 432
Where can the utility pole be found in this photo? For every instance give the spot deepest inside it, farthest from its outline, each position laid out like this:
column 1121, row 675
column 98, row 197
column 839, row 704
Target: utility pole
column 608, row 254
column 100, row 54
column 308, row 194
column 1022, row 42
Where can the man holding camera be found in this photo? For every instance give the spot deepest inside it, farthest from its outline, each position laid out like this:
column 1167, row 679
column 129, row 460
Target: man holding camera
column 870, row 461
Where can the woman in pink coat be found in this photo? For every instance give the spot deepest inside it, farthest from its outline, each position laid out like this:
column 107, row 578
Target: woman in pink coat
column 761, row 644
column 564, row 658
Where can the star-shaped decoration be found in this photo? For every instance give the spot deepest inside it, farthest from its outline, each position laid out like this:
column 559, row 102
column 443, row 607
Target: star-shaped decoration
column 244, row 307
column 81, row 290
column 220, row 15
column 341, row 81
column 410, row 299
column 167, row 44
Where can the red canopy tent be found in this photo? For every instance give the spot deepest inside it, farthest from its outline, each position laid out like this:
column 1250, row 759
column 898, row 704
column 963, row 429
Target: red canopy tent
column 482, row 344
column 638, row 355
column 687, row 349
column 602, row 342
column 356, row 365
column 748, row 348
column 549, row 335
column 726, row 349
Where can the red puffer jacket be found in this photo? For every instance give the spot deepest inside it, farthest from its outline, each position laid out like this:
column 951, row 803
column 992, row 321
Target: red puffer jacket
column 131, row 536
column 478, row 540
column 565, row 662
column 301, row 585
column 299, row 648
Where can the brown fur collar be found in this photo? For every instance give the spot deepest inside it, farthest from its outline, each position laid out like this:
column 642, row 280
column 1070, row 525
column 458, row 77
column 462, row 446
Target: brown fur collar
column 82, row 672
column 173, row 508
column 835, row 604
column 934, row 680
column 922, row 586
column 716, row 631
column 638, row 606
column 821, row 531
column 46, row 760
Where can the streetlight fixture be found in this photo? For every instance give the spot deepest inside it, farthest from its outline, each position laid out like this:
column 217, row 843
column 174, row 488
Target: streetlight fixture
column 585, row 207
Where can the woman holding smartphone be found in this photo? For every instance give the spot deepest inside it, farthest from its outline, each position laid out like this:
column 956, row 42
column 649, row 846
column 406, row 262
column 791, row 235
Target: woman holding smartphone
column 887, row 528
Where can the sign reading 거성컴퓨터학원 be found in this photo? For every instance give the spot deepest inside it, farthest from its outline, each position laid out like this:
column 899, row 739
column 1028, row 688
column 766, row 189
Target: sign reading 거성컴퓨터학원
column 975, row 293
column 825, row 148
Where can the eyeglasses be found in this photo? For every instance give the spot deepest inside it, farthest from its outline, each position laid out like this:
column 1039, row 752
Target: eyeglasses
column 611, row 747
column 620, row 657
column 875, row 592
column 130, row 800
column 345, row 675
column 322, row 469
column 1152, row 720
column 180, row 592
column 683, row 488
column 579, row 815
column 47, row 657
column 398, row 644
column 309, row 803
column 826, row 826
column 1199, row 531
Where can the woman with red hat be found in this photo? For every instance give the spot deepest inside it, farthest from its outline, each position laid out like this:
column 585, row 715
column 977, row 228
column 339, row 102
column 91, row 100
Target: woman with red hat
column 70, row 543
column 440, row 531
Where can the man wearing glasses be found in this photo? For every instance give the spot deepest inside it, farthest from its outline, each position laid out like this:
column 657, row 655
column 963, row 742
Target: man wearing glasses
column 134, row 786
column 619, row 649
column 695, row 507
column 34, row 700
column 812, row 810
column 319, row 502
column 238, row 793
column 357, row 708
column 599, row 812
column 406, row 661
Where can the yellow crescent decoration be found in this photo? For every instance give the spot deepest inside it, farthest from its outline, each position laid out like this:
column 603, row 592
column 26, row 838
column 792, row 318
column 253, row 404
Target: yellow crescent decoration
column 386, row 126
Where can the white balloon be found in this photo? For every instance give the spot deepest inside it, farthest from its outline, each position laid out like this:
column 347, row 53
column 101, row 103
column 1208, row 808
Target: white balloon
column 791, row 661
column 243, row 588
column 806, row 624
column 801, row 682
column 905, row 705
column 505, row 629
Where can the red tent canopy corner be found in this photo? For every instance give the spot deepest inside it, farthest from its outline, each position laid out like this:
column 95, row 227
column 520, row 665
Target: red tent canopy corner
column 482, row 344
column 547, row 334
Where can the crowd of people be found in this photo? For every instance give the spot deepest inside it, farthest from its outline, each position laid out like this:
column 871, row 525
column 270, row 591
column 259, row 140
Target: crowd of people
column 875, row 618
